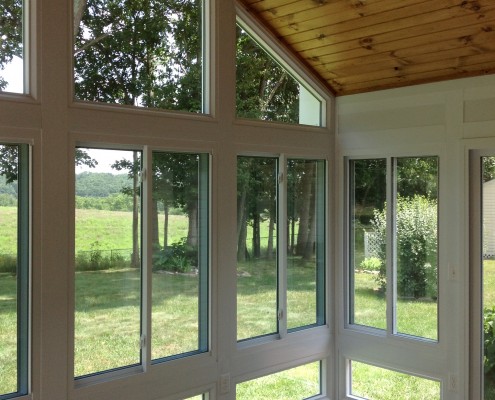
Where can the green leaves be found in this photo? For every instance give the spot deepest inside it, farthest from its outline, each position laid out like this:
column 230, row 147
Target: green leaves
column 140, row 52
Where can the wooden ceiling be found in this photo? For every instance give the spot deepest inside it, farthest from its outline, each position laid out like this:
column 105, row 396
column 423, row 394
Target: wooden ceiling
column 357, row 46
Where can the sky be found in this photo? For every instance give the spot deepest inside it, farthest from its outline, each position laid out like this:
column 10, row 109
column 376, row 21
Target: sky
column 105, row 159
column 13, row 75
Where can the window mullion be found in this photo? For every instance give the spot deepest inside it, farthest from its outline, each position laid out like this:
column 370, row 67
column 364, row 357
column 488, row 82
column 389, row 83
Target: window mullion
column 146, row 306
column 390, row 246
column 24, row 243
column 282, row 246
column 203, row 249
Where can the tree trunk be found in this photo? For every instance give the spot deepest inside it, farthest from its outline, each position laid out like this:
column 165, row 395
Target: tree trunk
column 304, row 211
column 256, row 236
column 192, row 232
column 242, row 226
column 165, row 225
column 242, row 252
column 271, row 229
column 155, row 241
column 135, row 259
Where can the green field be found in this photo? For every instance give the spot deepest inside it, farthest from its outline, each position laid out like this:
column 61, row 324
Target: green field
column 107, row 306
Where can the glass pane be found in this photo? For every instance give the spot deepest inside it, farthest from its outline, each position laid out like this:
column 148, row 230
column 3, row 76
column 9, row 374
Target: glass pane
column 11, row 46
column 256, row 246
column 306, row 242
column 180, row 262
column 374, row 383
column 367, row 242
column 416, row 218
column 145, row 53
column 108, row 260
column 266, row 91
column 488, row 273
column 14, row 224
column 293, row 384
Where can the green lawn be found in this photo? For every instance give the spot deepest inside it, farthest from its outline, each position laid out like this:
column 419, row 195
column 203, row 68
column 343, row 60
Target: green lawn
column 107, row 319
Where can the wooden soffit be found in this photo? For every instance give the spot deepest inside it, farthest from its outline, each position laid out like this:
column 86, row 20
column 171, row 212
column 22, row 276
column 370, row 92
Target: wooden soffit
column 358, row 46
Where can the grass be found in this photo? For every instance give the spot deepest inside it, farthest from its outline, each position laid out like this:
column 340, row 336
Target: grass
column 375, row 383
column 416, row 317
column 107, row 319
column 296, row 383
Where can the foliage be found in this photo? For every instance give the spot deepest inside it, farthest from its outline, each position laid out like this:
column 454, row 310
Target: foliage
column 489, row 341
column 8, row 200
column 416, row 241
column 178, row 257
column 139, row 52
column 114, row 202
column 264, row 90
column 10, row 34
column 99, row 184
column 97, row 260
column 371, row 264
column 8, row 264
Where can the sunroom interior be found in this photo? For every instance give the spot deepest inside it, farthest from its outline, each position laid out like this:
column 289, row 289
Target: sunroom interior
column 266, row 199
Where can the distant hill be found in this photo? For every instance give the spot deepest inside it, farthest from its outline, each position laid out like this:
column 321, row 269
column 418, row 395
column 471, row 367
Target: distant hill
column 100, row 184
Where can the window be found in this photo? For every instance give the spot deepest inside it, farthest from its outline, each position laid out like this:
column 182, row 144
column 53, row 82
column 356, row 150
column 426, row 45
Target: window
column 393, row 250
column 114, row 277
column 486, row 265
column 140, row 53
column 375, row 383
column 279, row 291
column 180, row 254
column 277, row 95
column 108, row 261
column 14, row 268
column 293, row 384
column 11, row 46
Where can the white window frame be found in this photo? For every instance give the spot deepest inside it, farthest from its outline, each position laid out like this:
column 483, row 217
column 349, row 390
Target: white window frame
column 282, row 243
column 204, row 319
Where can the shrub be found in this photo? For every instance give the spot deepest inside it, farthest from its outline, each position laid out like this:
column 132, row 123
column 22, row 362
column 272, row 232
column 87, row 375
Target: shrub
column 8, row 264
column 178, row 257
column 489, row 341
column 97, row 260
column 416, row 246
column 372, row 264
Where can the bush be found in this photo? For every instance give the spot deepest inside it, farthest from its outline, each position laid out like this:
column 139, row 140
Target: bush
column 416, row 246
column 8, row 264
column 97, row 260
column 178, row 257
column 371, row 264
column 489, row 341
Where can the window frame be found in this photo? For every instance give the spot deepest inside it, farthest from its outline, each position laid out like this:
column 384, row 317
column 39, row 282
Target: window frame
column 208, row 70
column 391, row 243
column 147, row 365
column 299, row 73
column 24, row 269
column 321, row 267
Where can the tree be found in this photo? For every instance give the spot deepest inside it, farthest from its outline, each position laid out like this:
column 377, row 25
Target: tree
column 140, row 52
column 264, row 89
column 134, row 168
column 10, row 34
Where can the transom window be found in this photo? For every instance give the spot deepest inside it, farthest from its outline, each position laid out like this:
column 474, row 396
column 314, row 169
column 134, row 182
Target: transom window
column 266, row 90
column 145, row 53
column 11, row 46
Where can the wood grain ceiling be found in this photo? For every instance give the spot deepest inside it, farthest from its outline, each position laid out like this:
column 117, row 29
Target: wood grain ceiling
column 365, row 45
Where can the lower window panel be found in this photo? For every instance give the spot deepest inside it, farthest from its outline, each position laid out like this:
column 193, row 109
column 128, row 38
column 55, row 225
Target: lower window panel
column 375, row 383
column 293, row 384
